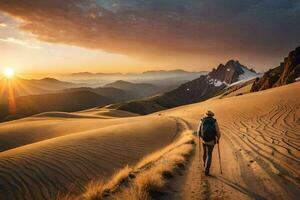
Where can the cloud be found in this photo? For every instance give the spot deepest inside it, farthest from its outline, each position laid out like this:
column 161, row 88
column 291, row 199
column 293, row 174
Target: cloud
column 162, row 28
column 19, row 42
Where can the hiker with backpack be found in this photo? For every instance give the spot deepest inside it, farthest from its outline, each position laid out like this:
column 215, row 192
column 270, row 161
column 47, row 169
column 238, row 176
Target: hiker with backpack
column 209, row 133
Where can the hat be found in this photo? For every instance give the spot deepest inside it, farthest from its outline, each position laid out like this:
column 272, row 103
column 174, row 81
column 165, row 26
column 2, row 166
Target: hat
column 210, row 113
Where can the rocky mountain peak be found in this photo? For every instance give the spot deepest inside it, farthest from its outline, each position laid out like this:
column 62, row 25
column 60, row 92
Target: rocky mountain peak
column 229, row 73
column 287, row 72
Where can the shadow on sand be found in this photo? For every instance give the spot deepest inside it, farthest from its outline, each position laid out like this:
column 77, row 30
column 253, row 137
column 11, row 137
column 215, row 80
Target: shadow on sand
column 239, row 188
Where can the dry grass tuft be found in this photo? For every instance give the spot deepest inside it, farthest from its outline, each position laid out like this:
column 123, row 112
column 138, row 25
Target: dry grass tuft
column 94, row 191
column 186, row 138
column 132, row 193
column 150, row 182
column 97, row 190
column 166, row 169
column 119, row 177
column 147, row 160
column 152, row 173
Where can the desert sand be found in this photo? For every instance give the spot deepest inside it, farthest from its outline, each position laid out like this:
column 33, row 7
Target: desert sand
column 58, row 153
column 55, row 153
column 259, row 148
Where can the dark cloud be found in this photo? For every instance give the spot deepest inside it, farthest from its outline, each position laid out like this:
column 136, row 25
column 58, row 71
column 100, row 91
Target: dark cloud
column 164, row 27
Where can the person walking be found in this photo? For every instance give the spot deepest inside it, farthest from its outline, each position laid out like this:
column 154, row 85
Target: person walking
column 209, row 133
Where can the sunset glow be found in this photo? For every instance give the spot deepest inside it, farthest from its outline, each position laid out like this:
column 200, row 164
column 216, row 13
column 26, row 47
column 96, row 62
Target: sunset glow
column 9, row 72
column 129, row 36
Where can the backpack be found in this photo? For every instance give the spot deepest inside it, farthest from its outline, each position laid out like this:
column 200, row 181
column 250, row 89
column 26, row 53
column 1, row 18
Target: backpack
column 209, row 131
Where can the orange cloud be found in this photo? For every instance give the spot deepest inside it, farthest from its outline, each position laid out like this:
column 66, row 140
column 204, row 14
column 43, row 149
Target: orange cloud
column 164, row 29
column 19, row 42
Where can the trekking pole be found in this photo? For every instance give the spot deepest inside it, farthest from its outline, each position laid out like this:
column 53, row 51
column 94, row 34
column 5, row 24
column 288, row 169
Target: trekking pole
column 199, row 149
column 220, row 158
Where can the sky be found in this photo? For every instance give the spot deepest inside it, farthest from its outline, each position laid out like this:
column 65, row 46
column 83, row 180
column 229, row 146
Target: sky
column 59, row 37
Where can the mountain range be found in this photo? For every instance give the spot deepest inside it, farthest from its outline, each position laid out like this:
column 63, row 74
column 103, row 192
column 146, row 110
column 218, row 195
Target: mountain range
column 37, row 96
column 200, row 89
column 139, row 90
column 232, row 78
column 168, row 79
column 23, row 87
column 176, row 72
column 64, row 101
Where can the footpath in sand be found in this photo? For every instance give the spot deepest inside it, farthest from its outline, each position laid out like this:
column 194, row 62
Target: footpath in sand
column 260, row 148
column 195, row 185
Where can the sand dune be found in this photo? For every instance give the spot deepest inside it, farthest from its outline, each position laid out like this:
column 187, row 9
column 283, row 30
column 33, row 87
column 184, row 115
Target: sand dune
column 62, row 164
column 61, row 152
column 54, row 124
column 260, row 147
column 103, row 112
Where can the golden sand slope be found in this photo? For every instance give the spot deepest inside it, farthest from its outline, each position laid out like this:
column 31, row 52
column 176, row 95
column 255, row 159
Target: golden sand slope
column 73, row 151
column 260, row 147
column 54, row 124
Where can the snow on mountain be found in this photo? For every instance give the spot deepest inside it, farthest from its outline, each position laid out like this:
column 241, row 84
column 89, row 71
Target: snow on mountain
column 215, row 82
column 248, row 74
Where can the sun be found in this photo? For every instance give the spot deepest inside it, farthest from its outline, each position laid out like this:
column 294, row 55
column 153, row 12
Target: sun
column 9, row 72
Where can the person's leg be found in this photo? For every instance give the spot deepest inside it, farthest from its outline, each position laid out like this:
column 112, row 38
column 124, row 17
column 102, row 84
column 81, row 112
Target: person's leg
column 204, row 154
column 209, row 151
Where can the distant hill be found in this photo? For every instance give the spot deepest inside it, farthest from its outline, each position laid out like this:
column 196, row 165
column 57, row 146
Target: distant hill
column 46, row 84
column 287, row 72
column 23, row 87
column 139, row 90
column 65, row 101
column 200, row 89
column 165, row 79
column 177, row 72
column 86, row 74
column 115, row 94
column 48, row 97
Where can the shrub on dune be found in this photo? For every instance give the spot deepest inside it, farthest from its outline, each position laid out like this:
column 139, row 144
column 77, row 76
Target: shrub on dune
column 120, row 177
column 150, row 182
column 94, row 191
column 147, row 179
column 132, row 193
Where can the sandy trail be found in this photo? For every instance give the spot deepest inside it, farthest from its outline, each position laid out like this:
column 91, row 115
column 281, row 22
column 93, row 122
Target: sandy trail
column 194, row 185
column 260, row 148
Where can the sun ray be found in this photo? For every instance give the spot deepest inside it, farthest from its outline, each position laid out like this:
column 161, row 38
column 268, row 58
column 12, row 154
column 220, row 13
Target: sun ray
column 8, row 90
column 9, row 72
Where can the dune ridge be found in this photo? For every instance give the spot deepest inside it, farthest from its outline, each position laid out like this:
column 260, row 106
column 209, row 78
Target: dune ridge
column 147, row 176
column 67, row 163
column 55, row 124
